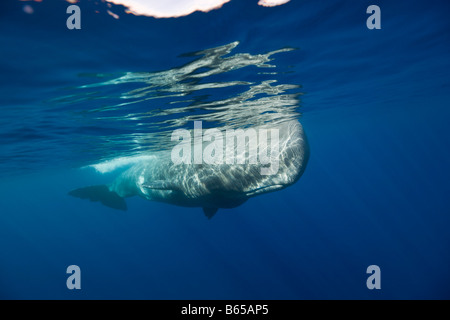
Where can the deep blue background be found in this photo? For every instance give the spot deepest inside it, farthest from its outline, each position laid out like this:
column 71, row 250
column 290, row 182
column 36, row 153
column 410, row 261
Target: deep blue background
column 376, row 190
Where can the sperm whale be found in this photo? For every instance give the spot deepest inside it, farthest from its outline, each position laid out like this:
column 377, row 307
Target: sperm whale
column 209, row 186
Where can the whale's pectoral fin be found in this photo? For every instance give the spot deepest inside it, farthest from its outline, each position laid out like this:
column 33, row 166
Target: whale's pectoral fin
column 102, row 194
column 209, row 212
column 161, row 185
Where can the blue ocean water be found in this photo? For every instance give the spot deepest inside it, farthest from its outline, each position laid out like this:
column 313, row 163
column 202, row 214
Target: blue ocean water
column 373, row 103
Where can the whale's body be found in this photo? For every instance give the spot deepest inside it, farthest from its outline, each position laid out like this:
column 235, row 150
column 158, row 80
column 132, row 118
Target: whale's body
column 210, row 186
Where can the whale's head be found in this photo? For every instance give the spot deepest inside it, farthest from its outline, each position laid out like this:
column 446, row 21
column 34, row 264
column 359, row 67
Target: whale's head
column 288, row 164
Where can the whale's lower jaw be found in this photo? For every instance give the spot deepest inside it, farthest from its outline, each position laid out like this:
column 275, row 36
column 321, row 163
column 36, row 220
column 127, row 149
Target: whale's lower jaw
column 264, row 190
